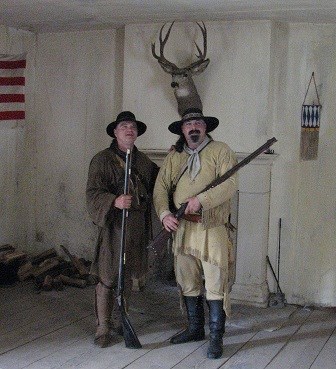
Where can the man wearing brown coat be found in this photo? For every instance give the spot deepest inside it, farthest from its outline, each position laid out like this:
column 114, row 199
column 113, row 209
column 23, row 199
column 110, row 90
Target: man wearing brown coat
column 105, row 201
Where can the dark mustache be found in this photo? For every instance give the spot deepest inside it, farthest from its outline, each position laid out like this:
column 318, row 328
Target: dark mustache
column 194, row 131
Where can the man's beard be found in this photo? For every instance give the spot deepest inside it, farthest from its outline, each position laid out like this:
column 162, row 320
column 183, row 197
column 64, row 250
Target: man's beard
column 195, row 135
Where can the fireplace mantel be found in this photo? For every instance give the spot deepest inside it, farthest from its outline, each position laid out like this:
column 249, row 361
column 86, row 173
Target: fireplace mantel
column 158, row 155
column 252, row 221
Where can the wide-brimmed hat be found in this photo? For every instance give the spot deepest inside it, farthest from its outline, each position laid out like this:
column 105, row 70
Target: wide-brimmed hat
column 192, row 114
column 126, row 116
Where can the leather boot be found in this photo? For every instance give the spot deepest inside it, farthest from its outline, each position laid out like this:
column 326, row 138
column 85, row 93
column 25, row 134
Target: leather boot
column 217, row 328
column 117, row 320
column 103, row 311
column 195, row 329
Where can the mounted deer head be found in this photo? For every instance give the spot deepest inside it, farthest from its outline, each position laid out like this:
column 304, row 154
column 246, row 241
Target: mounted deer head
column 184, row 88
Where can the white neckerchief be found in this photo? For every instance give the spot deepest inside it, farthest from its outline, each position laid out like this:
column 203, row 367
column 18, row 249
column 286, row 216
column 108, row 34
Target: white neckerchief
column 194, row 162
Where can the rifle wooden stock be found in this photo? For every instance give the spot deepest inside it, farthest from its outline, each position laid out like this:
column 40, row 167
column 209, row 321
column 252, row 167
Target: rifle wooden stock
column 160, row 241
column 130, row 337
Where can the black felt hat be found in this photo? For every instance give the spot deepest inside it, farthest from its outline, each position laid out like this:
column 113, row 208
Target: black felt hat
column 192, row 114
column 126, row 116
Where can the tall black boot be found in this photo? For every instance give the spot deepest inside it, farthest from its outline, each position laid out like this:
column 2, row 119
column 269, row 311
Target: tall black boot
column 217, row 328
column 195, row 329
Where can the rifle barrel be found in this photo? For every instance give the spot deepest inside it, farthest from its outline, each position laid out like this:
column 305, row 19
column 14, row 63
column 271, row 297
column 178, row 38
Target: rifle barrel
column 164, row 235
column 130, row 337
column 241, row 164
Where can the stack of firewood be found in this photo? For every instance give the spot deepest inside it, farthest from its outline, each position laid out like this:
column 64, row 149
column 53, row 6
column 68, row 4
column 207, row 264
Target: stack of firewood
column 48, row 270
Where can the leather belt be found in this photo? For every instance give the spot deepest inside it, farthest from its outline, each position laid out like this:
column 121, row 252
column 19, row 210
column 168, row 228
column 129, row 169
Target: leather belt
column 195, row 218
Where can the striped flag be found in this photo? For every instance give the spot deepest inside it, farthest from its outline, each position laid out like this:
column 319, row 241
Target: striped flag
column 12, row 83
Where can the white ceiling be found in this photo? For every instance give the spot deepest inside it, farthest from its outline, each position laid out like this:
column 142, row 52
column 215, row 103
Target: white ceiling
column 65, row 15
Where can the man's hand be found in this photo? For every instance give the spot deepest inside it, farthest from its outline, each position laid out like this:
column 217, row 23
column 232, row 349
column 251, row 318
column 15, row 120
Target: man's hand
column 123, row 201
column 193, row 205
column 170, row 223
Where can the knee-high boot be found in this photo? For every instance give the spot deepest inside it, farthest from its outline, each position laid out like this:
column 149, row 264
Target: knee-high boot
column 116, row 318
column 195, row 329
column 217, row 328
column 103, row 311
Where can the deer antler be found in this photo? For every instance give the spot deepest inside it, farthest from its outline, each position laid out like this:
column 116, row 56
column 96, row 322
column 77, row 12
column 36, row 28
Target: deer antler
column 173, row 67
column 185, row 90
column 201, row 56
column 162, row 59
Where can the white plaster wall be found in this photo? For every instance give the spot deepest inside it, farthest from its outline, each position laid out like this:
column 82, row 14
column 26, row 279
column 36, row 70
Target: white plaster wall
column 75, row 99
column 8, row 172
column 303, row 192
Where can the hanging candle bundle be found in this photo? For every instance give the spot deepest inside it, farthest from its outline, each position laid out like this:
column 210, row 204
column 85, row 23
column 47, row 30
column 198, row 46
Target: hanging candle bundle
column 310, row 126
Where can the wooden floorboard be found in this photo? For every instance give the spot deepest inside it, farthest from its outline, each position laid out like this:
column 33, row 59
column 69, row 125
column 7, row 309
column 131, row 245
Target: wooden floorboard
column 53, row 330
column 304, row 347
column 327, row 356
column 266, row 343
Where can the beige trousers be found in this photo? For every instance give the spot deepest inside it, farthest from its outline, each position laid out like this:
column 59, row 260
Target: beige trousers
column 190, row 271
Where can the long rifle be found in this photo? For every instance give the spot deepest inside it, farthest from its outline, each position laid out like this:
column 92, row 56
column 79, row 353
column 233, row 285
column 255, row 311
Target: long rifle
column 130, row 337
column 160, row 241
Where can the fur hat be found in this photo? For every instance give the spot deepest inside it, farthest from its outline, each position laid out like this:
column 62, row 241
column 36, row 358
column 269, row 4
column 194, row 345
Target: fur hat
column 192, row 114
column 125, row 116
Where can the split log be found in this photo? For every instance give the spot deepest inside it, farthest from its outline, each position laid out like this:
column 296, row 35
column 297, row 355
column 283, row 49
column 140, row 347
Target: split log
column 78, row 263
column 47, row 284
column 26, row 271
column 48, row 254
column 3, row 255
column 58, row 284
column 75, row 282
column 7, row 247
column 13, row 257
column 46, row 265
column 53, row 267
column 10, row 261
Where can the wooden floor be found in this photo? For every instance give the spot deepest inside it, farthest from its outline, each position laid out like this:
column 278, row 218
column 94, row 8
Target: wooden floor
column 55, row 330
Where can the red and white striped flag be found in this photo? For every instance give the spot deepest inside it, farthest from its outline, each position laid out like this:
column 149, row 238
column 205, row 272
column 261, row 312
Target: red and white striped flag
column 12, row 83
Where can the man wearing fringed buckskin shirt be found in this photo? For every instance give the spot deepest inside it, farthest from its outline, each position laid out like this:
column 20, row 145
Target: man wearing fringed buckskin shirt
column 201, row 243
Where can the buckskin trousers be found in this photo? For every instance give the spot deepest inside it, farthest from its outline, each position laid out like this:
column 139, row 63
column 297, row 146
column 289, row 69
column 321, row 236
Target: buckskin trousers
column 189, row 272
